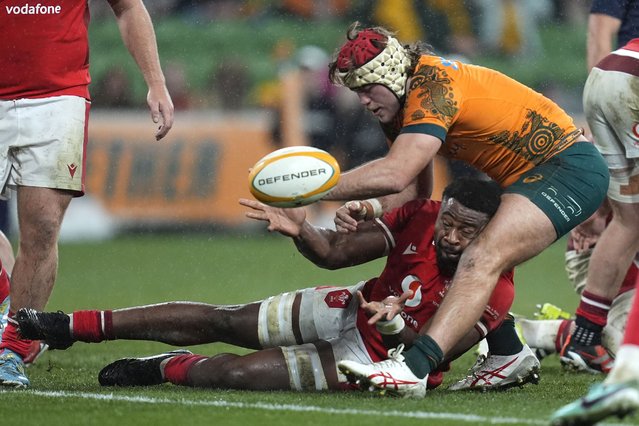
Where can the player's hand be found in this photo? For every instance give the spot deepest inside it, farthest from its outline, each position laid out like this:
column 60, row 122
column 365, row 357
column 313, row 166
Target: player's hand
column 287, row 222
column 586, row 234
column 348, row 215
column 162, row 110
column 386, row 309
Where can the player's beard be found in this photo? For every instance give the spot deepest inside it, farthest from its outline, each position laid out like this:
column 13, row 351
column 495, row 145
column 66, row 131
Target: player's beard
column 447, row 266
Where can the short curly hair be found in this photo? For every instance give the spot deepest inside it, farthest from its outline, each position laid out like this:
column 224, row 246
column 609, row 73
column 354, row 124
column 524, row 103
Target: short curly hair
column 476, row 194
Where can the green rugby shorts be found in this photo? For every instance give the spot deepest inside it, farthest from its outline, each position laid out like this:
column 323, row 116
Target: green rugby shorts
column 568, row 188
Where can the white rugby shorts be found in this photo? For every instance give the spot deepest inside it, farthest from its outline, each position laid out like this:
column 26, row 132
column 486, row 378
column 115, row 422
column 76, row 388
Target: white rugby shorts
column 43, row 143
column 611, row 104
column 326, row 313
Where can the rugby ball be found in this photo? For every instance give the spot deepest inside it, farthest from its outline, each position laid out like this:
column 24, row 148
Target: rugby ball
column 294, row 176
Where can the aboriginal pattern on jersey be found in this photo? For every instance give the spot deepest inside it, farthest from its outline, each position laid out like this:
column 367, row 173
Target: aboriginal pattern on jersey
column 433, row 90
column 537, row 140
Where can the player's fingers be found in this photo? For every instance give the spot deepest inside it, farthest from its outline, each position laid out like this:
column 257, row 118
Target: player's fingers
column 405, row 296
column 377, row 317
column 345, row 221
column 360, row 297
column 251, row 204
column 344, row 227
column 166, row 113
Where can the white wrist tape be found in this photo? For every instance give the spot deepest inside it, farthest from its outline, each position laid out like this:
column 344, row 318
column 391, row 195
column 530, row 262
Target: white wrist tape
column 394, row 326
column 376, row 206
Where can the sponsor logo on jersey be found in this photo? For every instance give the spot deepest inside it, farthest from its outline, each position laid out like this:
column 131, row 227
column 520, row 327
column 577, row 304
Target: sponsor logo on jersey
column 411, row 249
column 414, row 284
column 34, row 9
column 635, row 131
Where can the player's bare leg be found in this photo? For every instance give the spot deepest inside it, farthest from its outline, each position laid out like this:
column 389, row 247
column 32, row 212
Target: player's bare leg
column 518, row 231
column 178, row 323
column 174, row 323
column 305, row 367
column 40, row 213
column 189, row 323
column 619, row 242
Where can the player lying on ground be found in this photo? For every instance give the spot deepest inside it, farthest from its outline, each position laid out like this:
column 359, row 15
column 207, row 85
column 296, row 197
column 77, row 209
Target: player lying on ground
column 299, row 336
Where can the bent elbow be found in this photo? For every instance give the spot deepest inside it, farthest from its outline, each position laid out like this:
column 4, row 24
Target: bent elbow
column 399, row 182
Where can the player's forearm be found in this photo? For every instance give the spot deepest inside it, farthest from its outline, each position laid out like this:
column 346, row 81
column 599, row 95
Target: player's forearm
column 602, row 30
column 377, row 178
column 138, row 36
column 317, row 245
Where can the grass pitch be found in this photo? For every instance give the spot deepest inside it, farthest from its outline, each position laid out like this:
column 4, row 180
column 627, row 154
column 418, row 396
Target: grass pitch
column 237, row 269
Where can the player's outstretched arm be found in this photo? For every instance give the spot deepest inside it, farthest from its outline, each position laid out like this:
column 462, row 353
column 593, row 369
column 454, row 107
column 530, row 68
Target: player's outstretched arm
column 138, row 35
column 324, row 247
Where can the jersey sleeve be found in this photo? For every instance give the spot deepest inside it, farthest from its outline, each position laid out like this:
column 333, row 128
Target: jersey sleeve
column 498, row 306
column 393, row 222
column 614, row 8
column 434, row 98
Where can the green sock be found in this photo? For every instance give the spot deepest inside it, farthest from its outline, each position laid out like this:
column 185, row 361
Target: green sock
column 424, row 356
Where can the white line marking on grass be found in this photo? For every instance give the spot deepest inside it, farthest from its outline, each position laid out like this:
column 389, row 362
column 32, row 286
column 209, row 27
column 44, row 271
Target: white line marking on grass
column 290, row 408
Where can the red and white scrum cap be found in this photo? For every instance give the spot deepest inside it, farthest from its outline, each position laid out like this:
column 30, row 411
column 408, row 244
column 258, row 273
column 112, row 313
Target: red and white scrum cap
column 373, row 58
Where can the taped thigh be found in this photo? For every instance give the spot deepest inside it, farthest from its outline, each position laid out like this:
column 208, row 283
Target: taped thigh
column 275, row 321
column 305, row 368
column 577, row 268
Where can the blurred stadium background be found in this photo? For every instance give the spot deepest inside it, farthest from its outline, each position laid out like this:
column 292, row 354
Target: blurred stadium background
column 249, row 76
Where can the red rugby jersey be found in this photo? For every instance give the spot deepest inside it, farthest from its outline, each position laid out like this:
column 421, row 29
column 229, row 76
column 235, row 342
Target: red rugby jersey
column 44, row 49
column 412, row 264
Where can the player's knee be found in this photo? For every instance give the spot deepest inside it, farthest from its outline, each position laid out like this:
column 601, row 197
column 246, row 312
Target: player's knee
column 482, row 259
column 38, row 234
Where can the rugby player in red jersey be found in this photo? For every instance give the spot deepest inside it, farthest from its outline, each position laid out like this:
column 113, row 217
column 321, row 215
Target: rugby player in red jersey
column 44, row 110
column 301, row 335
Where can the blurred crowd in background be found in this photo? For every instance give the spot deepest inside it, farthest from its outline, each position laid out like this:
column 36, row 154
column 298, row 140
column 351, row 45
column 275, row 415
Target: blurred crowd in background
column 457, row 28
column 222, row 55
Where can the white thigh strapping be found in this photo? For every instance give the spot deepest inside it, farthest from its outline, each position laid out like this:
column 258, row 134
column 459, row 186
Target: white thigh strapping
column 305, row 367
column 324, row 313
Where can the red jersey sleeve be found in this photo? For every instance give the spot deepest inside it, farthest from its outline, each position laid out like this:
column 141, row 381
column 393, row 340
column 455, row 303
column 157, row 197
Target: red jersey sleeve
column 393, row 222
column 498, row 305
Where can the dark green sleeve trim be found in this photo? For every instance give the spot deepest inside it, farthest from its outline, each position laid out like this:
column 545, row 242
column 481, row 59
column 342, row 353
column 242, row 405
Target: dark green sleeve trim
column 427, row 129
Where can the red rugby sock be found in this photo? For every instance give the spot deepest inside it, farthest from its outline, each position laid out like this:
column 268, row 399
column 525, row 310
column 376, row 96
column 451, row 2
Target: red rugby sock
column 92, row 326
column 176, row 370
column 594, row 308
column 11, row 340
